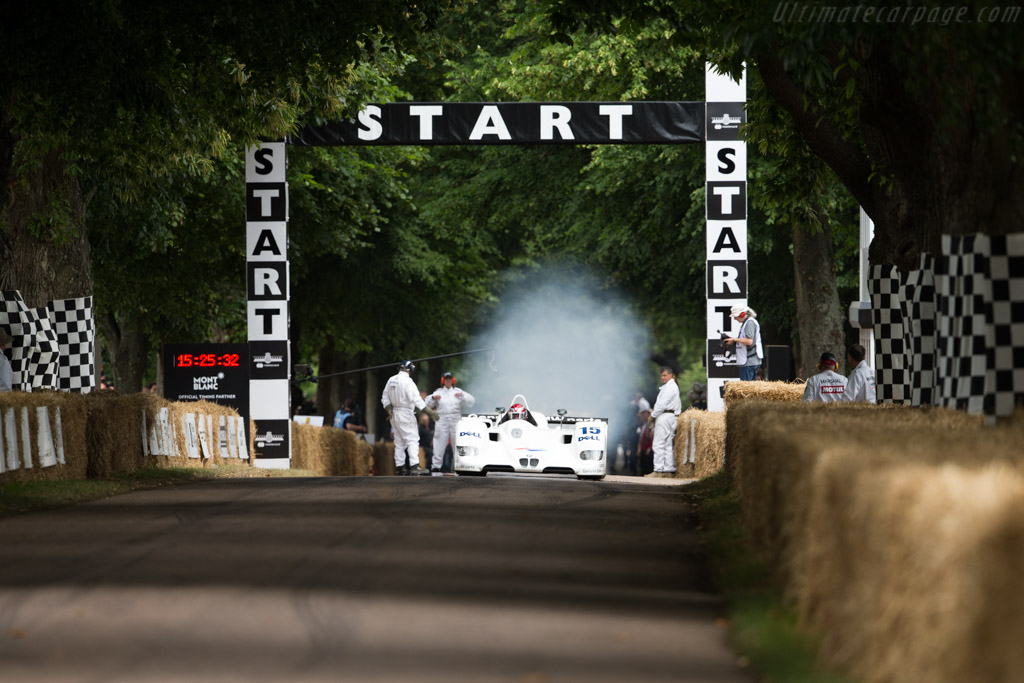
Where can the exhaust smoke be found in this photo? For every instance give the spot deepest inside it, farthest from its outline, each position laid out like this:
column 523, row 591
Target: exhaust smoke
column 562, row 341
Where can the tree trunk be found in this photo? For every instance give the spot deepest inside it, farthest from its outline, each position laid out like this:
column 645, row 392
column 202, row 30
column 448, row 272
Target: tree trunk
column 129, row 348
column 818, row 313
column 926, row 168
column 44, row 246
column 325, row 405
column 373, row 407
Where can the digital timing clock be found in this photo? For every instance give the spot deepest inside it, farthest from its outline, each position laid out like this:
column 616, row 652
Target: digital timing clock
column 207, row 360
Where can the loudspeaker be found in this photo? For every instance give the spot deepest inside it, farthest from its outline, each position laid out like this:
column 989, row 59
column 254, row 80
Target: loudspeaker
column 778, row 365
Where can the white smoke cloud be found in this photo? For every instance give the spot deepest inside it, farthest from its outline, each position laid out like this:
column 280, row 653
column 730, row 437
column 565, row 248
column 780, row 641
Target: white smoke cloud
column 563, row 342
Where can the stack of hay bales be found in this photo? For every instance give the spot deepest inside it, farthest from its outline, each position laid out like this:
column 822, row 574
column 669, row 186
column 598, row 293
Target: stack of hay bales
column 329, row 451
column 700, row 445
column 104, row 434
column 898, row 532
column 42, row 436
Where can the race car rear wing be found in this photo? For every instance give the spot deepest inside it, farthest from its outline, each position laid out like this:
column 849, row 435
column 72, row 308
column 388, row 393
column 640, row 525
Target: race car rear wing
column 552, row 419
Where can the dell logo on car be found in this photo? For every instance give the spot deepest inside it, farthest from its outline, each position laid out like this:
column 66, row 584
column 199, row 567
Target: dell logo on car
column 469, row 434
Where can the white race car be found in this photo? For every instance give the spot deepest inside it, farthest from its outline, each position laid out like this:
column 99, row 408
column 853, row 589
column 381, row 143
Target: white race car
column 518, row 440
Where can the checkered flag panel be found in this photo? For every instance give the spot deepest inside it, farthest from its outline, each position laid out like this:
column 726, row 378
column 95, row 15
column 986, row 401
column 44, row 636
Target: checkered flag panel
column 963, row 291
column 76, row 335
column 918, row 309
column 891, row 377
column 53, row 347
column 1006, row 270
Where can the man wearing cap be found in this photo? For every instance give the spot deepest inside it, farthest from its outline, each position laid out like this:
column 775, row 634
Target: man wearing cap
column 6, row 373
column 747, row 342
column 449, row 402
column 401, row 398
column 828, row 385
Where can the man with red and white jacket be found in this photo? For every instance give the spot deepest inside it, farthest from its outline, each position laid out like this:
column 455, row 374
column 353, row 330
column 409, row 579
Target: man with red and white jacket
column 828, row 385
column 449, row 402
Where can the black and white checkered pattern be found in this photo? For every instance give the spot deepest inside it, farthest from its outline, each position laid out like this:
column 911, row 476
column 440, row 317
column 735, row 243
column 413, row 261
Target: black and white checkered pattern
column 73, row 323
column 20, row 322
column 53, row 347
column 963, row 291
column 959, row 328
column 891, row 376
column 1006, row 270
column 43, row 359
column 918, row 308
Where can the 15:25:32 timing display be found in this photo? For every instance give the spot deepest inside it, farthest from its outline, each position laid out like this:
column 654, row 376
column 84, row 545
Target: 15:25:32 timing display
column 206, row 360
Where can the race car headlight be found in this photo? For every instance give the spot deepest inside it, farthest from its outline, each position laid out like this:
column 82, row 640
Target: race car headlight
column 591, row 455
column 466, row 451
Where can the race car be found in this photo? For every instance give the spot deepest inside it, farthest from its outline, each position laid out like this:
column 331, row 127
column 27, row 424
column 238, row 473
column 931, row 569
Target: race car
column 517, row 439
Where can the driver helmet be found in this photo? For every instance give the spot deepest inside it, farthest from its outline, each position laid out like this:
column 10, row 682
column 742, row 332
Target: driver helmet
column 517, row 411
column 407, row 366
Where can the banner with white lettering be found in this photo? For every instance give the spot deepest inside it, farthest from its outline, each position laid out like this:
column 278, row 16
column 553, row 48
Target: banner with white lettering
column 513, row 123
column 726, row 201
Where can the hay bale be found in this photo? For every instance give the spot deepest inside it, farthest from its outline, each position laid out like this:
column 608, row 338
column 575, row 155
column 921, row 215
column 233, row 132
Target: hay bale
column 898, row 531
column 68, row 435
column 211, row 414
column 771, row 447
column 769, row 391
column 114, row 434
column 915, row 565
column 699, row 443
column 347, row 455
column 307, row 451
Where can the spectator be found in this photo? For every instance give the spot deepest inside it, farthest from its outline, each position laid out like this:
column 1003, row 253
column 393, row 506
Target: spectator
column 664, row 416
column 400, row 399
column 828, row 385
column 861, row 385
column 426, row 435
column 347, row 417
column 449, row 402
column 6, row 372
column 644, row 461
column 747, row 342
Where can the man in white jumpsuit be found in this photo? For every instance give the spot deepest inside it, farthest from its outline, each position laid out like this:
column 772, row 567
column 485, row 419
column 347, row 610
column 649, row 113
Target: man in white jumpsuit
column 665, row 413
column 828, row 385
column 401, row 398
column 448, row 402
column 861, row 385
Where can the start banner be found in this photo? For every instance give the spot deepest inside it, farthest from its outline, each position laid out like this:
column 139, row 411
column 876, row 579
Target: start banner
column 513, row 123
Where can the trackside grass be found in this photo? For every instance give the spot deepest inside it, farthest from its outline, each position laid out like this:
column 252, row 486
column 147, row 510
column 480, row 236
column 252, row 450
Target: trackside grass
column 764, row 627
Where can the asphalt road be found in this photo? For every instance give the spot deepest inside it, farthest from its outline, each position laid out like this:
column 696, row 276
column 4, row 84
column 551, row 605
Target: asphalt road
column 363, row 579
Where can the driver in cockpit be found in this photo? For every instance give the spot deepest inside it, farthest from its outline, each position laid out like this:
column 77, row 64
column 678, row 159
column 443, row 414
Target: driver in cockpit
column 517, row 411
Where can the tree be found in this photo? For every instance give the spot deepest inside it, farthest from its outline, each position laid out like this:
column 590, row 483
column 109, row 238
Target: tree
column 628, row 210
column 136, row 95
column 141, row 90
column 915, row 108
